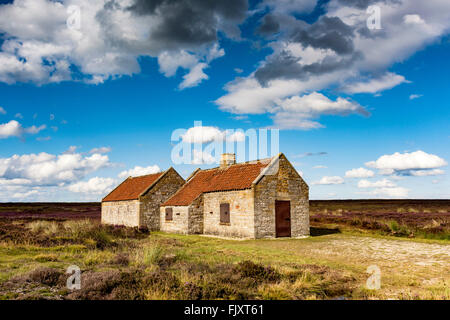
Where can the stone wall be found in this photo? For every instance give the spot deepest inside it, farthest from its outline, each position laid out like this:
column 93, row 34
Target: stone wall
column 179, row 223
column 285, row 184
column 121, row 213
column 195, row 220
column 241, row 214
column 158, row 194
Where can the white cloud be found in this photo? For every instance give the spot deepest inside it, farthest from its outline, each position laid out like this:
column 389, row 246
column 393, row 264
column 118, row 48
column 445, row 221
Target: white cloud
column 413, row 19
column 15, row 129
column 23, row 195
column 194, row 77
column 169, row 62
column 377, row 51
column 18, row 116
column 39, row 47
column 415, row 96
column 385, row 82
column 10, row 129
column 432, row 172
column 320, row 167
column 329, row 180
column 101, row 150
column 34, row 129
column 205, row 134
column 94, row 185
column 385, row 183
column 396, row 192
column 139, row 171
column 414, row 163
column 295, row 112
column 2, row 111
column 46, row 169
column 359, row 173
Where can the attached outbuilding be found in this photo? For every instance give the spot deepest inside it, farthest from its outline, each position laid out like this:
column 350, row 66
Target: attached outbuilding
column 259, row 199
column 136, row 201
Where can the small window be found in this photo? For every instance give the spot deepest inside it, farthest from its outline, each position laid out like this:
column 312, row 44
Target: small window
column 224, row 213
column 169, row 214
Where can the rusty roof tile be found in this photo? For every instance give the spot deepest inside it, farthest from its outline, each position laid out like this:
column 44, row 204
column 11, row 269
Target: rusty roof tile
column 132, row 187
column 235, row 177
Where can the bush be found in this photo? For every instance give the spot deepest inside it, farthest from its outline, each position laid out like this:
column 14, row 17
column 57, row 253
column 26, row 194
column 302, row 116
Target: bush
column 121, row 259
column 47, row 276
column 257, row 272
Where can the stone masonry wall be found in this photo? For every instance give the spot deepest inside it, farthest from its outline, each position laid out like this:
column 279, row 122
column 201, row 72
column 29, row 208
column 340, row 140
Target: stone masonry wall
column 158, row 194
column 195, row 218
column 121, row 213
column 286, row 184
column 179, row 223
column 242, row 220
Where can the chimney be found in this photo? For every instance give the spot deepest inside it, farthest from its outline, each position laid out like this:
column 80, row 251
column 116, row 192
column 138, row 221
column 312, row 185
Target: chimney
column 227, row 159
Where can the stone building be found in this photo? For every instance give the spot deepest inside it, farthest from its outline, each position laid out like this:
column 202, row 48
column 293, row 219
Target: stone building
column 136, row 201
column 259, row 199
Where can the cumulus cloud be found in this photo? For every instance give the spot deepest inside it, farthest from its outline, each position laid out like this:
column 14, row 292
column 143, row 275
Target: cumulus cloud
column 296, row 112
column 2, row 111
column 359, row 173
column 15, row 129
column 94, row 185
column 170, row 62
column 194, row 77
column 206, row 134
column 327, row 180
column 416, row 163
column 337, row 50
column 40, row 47
column 385, row 183
column 386, row 81
column 139, row 171
column 46, row 169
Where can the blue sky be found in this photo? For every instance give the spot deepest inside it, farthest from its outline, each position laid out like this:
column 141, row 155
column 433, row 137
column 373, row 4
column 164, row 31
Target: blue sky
column 83, row 106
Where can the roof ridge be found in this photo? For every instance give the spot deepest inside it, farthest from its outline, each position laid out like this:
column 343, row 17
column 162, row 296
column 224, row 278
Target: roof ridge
column 238, row 176
column 240, row 163
column 146, row 175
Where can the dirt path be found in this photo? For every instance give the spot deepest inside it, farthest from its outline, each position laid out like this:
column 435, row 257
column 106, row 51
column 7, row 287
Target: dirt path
column 388, row 251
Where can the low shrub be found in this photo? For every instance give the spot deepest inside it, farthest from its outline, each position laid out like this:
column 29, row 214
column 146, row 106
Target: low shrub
column 47, row 276
column 256, row 271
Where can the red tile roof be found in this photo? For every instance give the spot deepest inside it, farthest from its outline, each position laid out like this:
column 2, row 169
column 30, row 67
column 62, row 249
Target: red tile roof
column 235, row 177
column 132, row 187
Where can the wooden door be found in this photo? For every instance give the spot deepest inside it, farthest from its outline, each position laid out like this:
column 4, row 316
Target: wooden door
column 283, row 218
